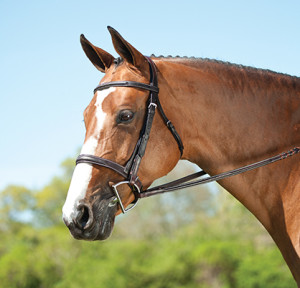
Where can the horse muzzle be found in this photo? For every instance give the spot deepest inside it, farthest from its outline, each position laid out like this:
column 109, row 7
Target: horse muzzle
column 92, row 222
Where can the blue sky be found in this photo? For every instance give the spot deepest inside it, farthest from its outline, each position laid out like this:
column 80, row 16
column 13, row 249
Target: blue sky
column 46, row 80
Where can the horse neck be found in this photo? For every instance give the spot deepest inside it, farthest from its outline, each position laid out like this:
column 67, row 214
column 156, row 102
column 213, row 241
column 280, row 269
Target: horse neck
column 230, row 116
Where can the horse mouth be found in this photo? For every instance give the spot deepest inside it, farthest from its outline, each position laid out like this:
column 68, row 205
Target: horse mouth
column 98, row 232
column 94, row 222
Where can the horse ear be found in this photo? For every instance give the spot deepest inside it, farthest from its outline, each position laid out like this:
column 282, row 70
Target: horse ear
column 100, row 58
column 127, row 51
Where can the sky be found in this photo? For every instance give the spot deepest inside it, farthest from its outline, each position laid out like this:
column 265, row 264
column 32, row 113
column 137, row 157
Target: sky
column 46, row 81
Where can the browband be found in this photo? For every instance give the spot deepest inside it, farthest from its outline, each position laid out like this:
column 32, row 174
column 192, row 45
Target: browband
column 132, row 84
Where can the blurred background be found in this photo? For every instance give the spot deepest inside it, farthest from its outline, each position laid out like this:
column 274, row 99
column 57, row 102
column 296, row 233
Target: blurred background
column 200, row 237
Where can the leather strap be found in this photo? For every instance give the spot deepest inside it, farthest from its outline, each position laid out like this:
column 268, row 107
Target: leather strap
column 183, row 182
column 146, row 129
column 94, row 160
column 91, row 159
column 132, row 84
column 171, row 127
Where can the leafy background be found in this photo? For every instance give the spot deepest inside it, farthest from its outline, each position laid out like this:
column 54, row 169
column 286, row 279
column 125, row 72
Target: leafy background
column 200, row 237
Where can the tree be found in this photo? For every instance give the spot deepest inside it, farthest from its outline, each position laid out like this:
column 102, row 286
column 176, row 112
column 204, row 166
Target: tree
column 50, row 199
column 196, row 238
column 16, row 206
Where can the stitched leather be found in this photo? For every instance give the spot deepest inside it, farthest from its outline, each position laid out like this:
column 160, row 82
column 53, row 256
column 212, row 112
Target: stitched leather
column 182, row 183
column 91, row 159
column 132, row 84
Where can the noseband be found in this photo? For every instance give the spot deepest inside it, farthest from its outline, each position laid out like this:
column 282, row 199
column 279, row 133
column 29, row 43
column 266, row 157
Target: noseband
column 130, row 170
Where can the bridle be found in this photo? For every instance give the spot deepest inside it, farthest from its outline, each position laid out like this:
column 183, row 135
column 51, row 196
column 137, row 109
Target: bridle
column 130, row 170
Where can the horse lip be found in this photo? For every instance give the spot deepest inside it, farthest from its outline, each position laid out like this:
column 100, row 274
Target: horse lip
column 75, row 231
column 91, row 234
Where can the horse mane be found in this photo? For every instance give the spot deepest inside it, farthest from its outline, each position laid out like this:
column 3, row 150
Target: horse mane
column 219, row 67
column 198, row 62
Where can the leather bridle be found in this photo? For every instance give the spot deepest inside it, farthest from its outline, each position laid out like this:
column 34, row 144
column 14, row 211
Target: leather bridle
column 130, row 170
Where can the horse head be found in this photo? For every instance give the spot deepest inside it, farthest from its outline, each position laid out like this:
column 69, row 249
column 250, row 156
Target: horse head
column 114, row 119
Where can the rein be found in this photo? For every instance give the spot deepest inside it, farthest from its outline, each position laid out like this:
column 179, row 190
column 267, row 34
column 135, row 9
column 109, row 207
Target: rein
column 130, row 170
column 183, row 182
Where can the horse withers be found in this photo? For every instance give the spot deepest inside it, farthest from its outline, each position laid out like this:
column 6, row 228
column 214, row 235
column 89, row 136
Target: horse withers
column 224, row 115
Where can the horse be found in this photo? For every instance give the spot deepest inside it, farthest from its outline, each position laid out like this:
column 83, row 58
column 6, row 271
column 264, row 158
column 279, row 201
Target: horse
column 223, row 116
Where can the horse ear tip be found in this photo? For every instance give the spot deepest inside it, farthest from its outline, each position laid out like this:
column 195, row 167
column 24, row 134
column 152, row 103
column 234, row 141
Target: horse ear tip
column 111, row 29
column 83, row 40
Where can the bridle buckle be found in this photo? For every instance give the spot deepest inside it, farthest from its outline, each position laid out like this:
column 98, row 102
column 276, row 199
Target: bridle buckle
column 152, row 104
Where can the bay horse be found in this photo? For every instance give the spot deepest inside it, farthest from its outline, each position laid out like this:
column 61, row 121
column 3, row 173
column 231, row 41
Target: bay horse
column 226, row 116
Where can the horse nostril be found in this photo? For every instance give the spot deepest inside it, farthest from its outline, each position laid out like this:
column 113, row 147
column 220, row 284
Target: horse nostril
column 84, row 217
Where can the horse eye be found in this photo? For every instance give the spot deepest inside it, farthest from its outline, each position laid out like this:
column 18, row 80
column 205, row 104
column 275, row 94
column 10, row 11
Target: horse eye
column 125, row 116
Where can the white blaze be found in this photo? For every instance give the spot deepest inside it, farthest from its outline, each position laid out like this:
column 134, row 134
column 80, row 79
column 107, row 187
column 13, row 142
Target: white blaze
column 83, row 171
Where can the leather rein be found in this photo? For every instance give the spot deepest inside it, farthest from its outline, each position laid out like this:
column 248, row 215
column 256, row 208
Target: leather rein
column 130, row 170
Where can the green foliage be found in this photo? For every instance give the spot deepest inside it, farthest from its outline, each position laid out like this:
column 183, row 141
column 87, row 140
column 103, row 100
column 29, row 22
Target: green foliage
column 15, row 202
column 167, row 241
column 264, row 269
column 17, row 269
column 49, row 202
